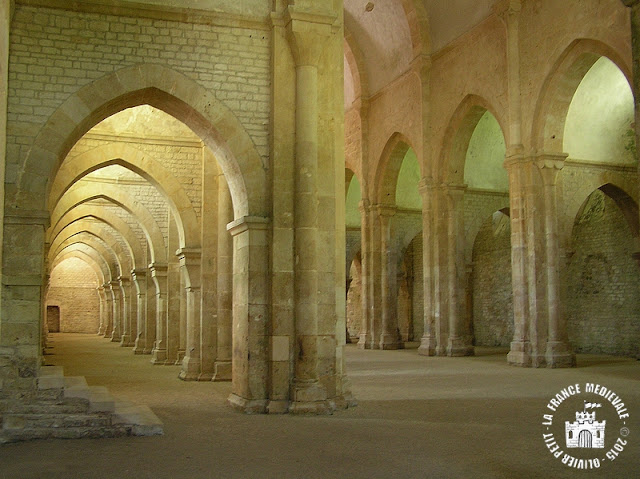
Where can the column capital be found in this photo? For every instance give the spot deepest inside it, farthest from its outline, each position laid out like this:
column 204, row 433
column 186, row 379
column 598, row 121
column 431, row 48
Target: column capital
column 158, row 269
column 364, row 206
column 15, row 216
column 247, row 223
column 189, row 254
column 384, row 210
column 550, row 165
column 307, row 32
column 426, row 185
column 138, row 274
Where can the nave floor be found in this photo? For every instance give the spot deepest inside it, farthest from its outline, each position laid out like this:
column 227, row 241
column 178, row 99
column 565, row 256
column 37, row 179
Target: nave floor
column 417, row 417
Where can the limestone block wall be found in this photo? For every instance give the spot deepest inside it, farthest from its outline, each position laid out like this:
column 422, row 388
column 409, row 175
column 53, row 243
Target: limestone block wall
column 478, row 206
column 55, row 52
column 603, row 282
column 73, row 289
column 491, row 283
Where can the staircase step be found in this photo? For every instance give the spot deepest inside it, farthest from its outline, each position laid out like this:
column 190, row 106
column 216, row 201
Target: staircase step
column 51, row 377
column 100, row 400
column 55, row 421
column 140, row 418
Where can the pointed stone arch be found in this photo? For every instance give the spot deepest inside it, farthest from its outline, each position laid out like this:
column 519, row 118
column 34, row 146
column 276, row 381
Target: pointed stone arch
column 458, row 135
column 559, row 87
column 79, row 194
column 389, row 168
column 73, row 169
column 90, row 245
column 83, row 257
column 125, row 263
column 162, row 88
column 109, row 218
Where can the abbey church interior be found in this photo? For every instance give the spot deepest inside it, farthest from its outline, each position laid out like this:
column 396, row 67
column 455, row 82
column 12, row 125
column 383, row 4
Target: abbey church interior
column 314, row 238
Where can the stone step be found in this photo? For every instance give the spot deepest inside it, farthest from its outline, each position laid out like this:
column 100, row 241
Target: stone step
column 100, row 400
column 55, row 421
column 140, row 418
column 51, row 377
column 68, row 406
column 27, row 434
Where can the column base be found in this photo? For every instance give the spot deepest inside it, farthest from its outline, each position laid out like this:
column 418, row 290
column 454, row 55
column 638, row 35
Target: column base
column 222, row 371
column 519, row 354
column 278, row 407
column 310, row 398
column 115, row 338
column 390, row 341
column 147, row 351
column 559, row 355
column 101, row 331
column 205, row 377
column 181, row 354
column 362, row 342
column 126, row 342
column 190, row 369
column 248, row 406
column 457, row 347
column 158, row 356
column 427, row 346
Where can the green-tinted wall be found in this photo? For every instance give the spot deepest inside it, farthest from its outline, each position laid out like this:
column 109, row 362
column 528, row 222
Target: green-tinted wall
column 485, row 157
column 599, row 121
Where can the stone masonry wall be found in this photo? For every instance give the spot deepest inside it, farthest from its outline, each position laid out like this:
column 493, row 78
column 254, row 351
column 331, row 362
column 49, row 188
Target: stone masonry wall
column 603, row 282
column 55, row 52
column 491, row 283
column 73, row 289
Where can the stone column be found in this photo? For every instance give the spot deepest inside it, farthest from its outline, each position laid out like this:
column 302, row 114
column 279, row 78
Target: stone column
column 440, row 270
column 22, row 300
column 517, row 168
column 182, row 347
column 103, row 310
column 366, row 338
column 225, row 282
column 139, row 277
column 558, row 352
column 125, row 332
column 459, row 342
column 307, row 39
column 159, row 276
column 634, row 10
column 250, row 371
column 108, row 326
column 191, row 270
column 116, row 333
column 520, row 352
column 6, row 8
column 210, row 227
column 428, row 340
column 173, row 296
column 388, row 285
column 150, row 316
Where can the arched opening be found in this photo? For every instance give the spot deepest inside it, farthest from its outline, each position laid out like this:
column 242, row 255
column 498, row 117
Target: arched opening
column 603, row 279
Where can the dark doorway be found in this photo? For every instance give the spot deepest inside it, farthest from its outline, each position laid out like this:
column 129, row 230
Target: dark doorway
column 53, row 319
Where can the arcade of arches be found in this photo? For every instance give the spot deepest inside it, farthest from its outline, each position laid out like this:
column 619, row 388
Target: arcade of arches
column 243, row 188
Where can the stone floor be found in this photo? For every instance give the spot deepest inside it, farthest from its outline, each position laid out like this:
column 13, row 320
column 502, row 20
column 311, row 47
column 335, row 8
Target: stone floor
column 417, row 417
